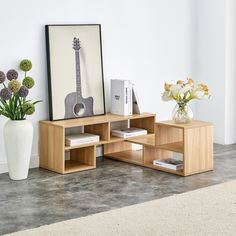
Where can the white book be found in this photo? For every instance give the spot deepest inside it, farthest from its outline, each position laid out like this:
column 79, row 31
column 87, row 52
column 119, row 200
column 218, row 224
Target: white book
column 135, row 100
column 121, row 97
column 169, row 163
column 128, row 132
column 83, row 138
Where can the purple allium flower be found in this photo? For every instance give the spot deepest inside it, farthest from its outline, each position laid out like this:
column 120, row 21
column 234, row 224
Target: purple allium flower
column 23, row 92
column 14, row 86
column 2, row 77
column 5, row 94
column 12, row 74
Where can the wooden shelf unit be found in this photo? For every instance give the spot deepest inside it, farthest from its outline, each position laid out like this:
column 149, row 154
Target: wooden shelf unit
column 83, row 157
column 193, row 142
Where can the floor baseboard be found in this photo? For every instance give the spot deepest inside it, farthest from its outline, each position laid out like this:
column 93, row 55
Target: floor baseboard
column 34, row 162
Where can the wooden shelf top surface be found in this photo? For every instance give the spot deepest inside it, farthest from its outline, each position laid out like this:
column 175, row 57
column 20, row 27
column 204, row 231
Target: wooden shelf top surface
column 191, row 125
column 95, row 120
column 177, row 172
column 73, row 166
column 174, row 147
column 130, row 156
column 147, row 140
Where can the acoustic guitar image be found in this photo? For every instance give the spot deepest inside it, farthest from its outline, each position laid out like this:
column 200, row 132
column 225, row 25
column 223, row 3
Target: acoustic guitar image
column 75, row 104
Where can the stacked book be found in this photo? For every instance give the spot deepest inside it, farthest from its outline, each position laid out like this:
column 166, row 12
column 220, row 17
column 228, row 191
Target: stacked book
column 124, row 99
column 82, row 138
column 169, row 163
column 128, row 132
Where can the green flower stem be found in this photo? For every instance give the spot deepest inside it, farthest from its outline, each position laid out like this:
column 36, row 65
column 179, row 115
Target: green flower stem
column 182, row 106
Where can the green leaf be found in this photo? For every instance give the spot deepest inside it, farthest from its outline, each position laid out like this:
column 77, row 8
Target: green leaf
column 37, row 101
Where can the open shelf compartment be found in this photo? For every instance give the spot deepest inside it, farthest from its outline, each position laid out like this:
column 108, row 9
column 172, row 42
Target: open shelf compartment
column 129, row 156
column 101, row 129
column 169, row 138
column 148, row 140
column 81, row 159
column 153, row 153
column 122, row 151
column 147, row 123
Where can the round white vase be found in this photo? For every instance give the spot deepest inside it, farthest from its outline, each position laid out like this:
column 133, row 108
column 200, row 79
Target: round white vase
column 18, row 137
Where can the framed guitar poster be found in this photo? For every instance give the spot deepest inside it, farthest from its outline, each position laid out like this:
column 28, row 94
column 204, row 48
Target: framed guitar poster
column 75, row 71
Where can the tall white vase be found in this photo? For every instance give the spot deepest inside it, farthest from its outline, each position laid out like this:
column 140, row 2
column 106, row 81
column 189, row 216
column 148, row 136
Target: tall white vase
column 18, row 136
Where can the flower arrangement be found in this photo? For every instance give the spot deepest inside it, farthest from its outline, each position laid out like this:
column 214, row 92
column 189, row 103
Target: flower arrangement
column 13, row 102
column 183, row 92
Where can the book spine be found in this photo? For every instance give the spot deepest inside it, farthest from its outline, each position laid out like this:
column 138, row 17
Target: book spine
column 121, row 97
column 80, row 142
column 130, row 100
column 126, row 97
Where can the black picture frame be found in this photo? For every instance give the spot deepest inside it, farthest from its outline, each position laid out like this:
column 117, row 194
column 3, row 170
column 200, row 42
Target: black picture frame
column 88, row 100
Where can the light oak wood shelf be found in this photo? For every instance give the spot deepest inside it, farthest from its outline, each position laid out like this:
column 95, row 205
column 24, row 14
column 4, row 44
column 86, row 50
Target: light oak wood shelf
column 192, row 141
column 147, row 140
column 176, row 172
column 129, row 156
column 67, row 148
column 53, row 150
column 175, row 147
column 74, row 166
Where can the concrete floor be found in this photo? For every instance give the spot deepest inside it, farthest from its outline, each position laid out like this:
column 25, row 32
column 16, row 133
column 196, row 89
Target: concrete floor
column 47, row 197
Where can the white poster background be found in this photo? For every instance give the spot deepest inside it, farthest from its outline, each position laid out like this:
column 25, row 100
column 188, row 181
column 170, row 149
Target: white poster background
column 63, row 67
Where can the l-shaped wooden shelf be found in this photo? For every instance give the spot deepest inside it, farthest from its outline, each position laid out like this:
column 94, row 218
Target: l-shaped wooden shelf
column 162, row 141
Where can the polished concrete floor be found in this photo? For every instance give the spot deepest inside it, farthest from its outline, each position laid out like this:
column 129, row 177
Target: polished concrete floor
column 46, row 197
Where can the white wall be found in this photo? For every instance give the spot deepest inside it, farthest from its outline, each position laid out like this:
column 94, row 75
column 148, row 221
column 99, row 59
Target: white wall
column 210, row 62
column 215, row 65
column 148, row 41
column 230, row 64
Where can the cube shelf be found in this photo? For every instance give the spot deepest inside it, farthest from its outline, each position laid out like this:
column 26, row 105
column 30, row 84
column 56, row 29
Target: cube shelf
column 83, row 157
column 193, row 142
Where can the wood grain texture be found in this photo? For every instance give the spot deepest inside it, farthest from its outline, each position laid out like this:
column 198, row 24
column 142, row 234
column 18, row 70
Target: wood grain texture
column 74, row 166
column 147, row 123
column 198, row 150
column 96, row 120
column 194, row 140
column 100, row 129
column 175, row 147
column 147, row 140
column 166, row 134
column 52, row 135
column 192, row 124
column 51, row 147
column 176, row 172
column 129, row 156
column 116, row 147
column 85, row 155
column 152, row 153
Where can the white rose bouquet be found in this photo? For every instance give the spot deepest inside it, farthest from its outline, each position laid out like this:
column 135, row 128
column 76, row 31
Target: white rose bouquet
column 183, row 92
